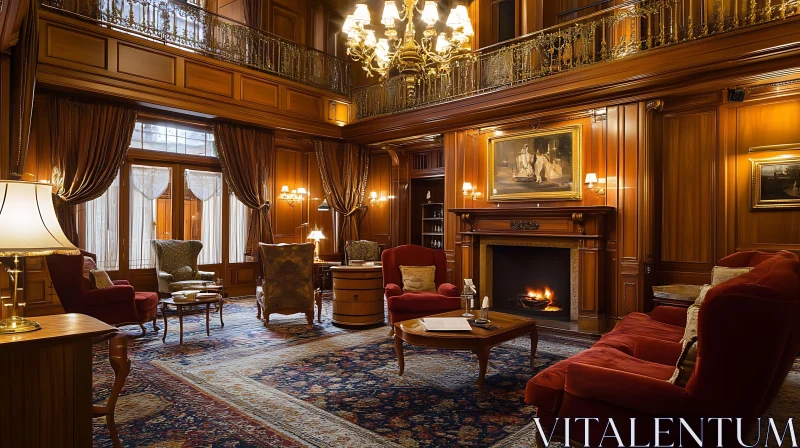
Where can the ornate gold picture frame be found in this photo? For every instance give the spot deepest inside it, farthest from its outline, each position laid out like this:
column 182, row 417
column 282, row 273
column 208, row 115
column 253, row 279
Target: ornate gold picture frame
column 540, row 165
column 775, row 183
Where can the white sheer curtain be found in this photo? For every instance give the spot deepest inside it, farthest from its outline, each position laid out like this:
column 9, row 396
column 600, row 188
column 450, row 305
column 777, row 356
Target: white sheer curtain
column 147, row 184
column 239, row 223
column 207, row 187
column 100, row 232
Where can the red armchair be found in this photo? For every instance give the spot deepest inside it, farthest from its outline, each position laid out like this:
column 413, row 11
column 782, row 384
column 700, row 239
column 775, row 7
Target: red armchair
column 748, row 337
column 116, row 305
column 410, row 305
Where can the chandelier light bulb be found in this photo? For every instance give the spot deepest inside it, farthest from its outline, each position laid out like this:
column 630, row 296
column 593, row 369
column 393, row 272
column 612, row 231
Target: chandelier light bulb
column 430, row 14
column 370, row 40
column 390, row 13
column 361, row 14
column 382, row 51
column 454, row 19
column 442, row 43
column 349, row 26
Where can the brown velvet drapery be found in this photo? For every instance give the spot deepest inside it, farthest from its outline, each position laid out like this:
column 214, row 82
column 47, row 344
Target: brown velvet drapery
column 246, row 156
column 88, row 144
column 254, row 13
column 23, row 61
column 343, row 168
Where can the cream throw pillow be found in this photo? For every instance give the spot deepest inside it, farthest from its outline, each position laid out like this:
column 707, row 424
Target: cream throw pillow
column 100, row 279
column 419, row 278
column 686, row 362
column 722, row 274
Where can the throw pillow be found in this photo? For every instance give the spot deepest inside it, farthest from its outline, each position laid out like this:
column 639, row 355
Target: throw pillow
column 692, row 313
column 182, row 273
column 88, row 266
column 721, row 274
column 686, row 362
column 100, row 279
column 419, row 278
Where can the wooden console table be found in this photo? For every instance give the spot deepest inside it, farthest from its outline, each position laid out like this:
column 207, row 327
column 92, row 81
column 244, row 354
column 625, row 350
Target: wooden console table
column 357, row 295
column 46, row 382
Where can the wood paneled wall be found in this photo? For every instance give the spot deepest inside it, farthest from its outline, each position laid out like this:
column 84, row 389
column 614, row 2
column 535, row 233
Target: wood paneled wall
column 705, row 177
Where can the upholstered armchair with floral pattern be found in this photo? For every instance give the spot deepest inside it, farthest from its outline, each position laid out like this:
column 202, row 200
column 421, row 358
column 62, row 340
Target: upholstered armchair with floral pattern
column 176, row 265
column 288, row 286
column 362, row 250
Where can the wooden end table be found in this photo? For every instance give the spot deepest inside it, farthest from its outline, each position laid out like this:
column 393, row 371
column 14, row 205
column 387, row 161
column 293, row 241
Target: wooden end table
column 216, row 299
column 478, row 341
column 681, row 296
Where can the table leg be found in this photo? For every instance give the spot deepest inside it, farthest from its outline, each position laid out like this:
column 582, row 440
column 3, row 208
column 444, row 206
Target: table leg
column 164, row 315
column 398, row 348
column 180, row 320
column 483, row 363
column 221, row 305
column 534, row 346
column 208, row 319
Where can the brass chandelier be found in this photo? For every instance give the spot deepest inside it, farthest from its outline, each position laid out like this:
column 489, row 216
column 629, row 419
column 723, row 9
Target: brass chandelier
column 403, row 54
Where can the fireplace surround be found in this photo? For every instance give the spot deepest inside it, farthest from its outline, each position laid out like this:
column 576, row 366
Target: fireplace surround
column 489, row 233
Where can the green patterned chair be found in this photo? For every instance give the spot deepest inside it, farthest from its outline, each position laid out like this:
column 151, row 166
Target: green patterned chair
column 362, row 250
column 288, row 287
column 176, row 265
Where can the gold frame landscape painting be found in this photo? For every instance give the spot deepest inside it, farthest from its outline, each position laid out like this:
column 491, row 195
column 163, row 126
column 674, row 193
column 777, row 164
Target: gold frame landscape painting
column 545, row 165
column 775, row 183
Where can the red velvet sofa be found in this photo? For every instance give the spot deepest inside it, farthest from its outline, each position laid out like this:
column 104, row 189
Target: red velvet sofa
column 748, row 337
column 116, row 305
column 410, row 305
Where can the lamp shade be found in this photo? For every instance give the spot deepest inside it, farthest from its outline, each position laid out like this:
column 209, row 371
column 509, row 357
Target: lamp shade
column 591, row 178
column 430, row 13
column 390, row 13
column 29, row 222
column 285, row 189
column 324, row 207
column 466, row 187
column 361, row 14
column 316, row 235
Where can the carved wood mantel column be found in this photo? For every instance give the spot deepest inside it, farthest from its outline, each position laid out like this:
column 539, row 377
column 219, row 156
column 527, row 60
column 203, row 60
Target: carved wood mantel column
column 579, row 227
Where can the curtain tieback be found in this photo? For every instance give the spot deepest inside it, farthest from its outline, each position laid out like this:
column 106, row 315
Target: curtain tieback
column 353, row 212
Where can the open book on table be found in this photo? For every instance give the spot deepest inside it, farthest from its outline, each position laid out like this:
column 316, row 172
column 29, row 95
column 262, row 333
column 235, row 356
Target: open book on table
column 445, row 324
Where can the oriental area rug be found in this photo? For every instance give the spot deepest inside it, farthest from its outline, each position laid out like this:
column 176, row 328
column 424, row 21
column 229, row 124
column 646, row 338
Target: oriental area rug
column 291, row 385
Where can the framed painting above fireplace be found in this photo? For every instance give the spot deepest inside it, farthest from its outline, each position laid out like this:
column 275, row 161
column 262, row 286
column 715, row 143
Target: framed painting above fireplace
column 540, row 165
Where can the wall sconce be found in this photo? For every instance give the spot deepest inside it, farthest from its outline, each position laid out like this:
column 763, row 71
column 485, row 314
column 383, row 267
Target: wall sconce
column 469, row 191
column 374, row 200
column 292, row 197
column 595, row 185
column 315, row 236
column 324, row 207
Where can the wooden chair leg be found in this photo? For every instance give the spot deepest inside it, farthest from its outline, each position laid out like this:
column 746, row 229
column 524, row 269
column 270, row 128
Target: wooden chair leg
column 310, row 316
column 144, row 330
column 155, row 324
column 318, row 299
column 118, row 357
column 258, row 312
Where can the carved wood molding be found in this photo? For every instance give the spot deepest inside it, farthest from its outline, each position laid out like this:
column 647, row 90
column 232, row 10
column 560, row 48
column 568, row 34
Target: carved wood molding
column 523, row 225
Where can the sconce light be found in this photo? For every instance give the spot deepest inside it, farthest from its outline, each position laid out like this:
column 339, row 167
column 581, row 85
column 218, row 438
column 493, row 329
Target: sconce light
column 374, row 200
column 595, row 185
column 469, row 191
column 292, row 197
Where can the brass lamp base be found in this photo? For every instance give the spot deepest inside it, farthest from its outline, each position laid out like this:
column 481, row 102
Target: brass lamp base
column 16, row 324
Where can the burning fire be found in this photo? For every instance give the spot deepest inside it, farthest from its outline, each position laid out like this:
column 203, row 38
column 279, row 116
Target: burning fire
column 540, row 295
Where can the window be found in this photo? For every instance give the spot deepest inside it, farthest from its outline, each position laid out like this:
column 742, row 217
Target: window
column 158, row 137
column 98, row 224
column 202, row 213
column 150, row 212
column 239, row 225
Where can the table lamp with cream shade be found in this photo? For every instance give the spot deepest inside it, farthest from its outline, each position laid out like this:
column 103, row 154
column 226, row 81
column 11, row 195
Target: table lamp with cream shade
column 29, row 228
column 315, row 236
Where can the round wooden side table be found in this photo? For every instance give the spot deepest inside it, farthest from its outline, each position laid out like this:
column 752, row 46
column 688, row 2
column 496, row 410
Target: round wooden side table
column 209, row 299
column 357, row 295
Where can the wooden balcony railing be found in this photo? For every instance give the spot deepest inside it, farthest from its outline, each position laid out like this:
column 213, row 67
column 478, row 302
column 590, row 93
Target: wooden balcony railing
column 614, row 33
column 189, row 27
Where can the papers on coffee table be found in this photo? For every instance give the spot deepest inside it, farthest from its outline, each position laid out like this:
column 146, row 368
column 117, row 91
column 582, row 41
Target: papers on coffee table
column 445, row 324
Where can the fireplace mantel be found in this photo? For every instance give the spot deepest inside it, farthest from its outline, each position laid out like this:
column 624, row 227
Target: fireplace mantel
column 565, row 222
column 582, row 228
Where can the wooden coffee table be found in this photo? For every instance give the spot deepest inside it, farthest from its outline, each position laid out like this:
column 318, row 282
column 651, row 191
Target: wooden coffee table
column 216, row 299
column 478, row 341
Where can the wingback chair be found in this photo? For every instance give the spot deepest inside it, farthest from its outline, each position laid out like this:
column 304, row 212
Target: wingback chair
column 176, row 265
column 362, row 250
column 288, row 287
column 116, row 305
column 410, row 305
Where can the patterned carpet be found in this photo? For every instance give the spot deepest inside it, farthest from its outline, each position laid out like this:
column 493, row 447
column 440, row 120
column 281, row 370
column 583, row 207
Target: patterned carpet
column 294, row 385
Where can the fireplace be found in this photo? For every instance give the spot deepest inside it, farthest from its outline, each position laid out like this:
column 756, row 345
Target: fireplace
column 533, row 281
